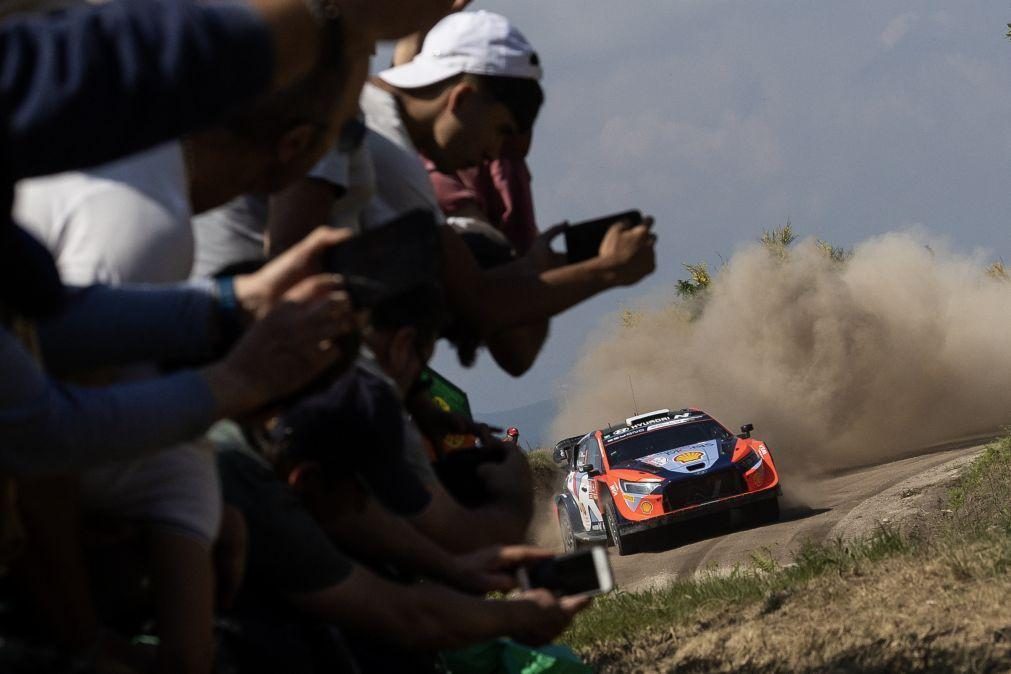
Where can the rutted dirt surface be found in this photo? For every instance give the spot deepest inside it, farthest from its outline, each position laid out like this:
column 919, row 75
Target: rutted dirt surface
column 847, row 504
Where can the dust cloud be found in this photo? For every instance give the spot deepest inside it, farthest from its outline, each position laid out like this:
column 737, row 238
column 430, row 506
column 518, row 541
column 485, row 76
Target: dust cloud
column 904, row 345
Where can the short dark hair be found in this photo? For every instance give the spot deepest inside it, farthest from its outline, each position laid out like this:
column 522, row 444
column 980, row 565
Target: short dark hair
column 522, row 96
column 423, row 308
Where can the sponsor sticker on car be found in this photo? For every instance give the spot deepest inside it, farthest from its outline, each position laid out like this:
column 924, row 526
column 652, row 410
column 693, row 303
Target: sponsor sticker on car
column 688, row 457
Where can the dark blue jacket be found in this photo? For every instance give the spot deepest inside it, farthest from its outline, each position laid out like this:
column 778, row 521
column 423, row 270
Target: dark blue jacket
column 90, row 84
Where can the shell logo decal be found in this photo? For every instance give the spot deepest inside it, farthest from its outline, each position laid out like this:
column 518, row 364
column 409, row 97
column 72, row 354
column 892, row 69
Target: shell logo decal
column 688, row 457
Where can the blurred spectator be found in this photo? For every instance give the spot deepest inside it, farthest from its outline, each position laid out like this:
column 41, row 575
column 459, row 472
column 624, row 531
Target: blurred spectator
column 295, row 575
column 129, row 222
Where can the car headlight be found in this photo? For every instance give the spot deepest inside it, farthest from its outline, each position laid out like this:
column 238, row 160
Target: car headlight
column 645, row 487
column 750, row 460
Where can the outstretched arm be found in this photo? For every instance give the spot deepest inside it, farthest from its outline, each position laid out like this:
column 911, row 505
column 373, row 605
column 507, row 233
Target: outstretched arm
column 429, row 616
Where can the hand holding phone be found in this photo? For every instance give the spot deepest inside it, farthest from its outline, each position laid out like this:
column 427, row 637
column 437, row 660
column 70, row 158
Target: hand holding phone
column 577, row 574
column 583, row 239
column 386, row 262
column 627, row 255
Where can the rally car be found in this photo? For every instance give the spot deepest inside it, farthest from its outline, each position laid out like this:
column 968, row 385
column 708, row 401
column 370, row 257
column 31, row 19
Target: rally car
column 660, row 469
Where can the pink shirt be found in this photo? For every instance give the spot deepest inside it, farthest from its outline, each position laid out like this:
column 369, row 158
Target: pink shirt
column 500, row 188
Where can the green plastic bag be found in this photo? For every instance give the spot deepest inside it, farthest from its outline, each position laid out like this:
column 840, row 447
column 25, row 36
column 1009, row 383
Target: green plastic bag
column 508, row 657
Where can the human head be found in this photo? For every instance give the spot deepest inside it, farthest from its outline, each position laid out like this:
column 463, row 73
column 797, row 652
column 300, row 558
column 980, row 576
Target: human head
column 475, row 83
column 404, row 331
column 513, row 434
column 325, row 443
column 284, row 134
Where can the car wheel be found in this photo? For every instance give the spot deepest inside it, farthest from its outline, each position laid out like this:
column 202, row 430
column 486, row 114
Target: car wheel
column 569, row 542
column 765, row 512
column 621, row 543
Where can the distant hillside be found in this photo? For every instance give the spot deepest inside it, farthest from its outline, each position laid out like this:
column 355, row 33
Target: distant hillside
column 533, row 421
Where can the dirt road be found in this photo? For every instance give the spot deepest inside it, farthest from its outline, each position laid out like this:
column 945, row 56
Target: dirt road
column 844, row 504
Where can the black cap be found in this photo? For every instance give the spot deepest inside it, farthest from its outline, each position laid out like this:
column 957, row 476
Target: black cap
column 356, row 426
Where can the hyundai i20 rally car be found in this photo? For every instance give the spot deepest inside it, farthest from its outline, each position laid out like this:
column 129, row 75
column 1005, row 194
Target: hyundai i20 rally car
column 660, row 469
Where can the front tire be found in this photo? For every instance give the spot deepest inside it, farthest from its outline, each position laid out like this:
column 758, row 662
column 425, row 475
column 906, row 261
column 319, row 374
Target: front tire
column 569, row 542
column 622, row 544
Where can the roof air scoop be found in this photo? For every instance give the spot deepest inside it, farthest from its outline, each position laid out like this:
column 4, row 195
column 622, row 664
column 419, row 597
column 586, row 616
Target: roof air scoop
column 649, row 415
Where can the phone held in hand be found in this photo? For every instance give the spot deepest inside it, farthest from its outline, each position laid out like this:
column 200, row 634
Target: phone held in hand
column 382, row 263
column 585, row 573
column 582, row 240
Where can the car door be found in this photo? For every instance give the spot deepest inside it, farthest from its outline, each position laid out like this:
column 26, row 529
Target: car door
column 584, row 487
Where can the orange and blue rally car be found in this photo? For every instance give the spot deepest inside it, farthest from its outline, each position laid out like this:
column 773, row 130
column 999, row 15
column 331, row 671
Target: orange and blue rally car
column 660, row 469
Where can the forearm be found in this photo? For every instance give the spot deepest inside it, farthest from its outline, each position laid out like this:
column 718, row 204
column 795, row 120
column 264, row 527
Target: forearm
column 48, row 427
column 494, row 300
column 109, row 327
column 97, row 82
column 426, row 616
column 378, row 534
column 462, row 530
column 516, row 350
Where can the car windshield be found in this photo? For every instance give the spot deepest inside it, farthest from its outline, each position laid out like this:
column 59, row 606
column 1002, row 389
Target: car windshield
column 663, row 439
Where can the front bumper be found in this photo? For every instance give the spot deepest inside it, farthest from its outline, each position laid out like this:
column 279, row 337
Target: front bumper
column 708, row 508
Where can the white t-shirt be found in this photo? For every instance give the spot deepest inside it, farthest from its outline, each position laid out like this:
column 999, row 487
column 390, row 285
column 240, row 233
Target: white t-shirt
column 129, row 222
column 394, row 182
column 124, row 222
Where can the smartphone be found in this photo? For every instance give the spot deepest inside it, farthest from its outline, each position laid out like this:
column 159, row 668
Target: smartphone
column 582, row 240
column 387, row 261
column 582, row 574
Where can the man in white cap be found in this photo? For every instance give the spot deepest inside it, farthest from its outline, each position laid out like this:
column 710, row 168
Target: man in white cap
column 474, row 84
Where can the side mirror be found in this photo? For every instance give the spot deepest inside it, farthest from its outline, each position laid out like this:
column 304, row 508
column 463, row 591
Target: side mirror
column 746, row 431
column 588, row 469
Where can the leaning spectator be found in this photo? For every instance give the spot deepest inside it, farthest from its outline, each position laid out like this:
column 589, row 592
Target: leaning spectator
column 150, row 93
column 297, row 578
column 129, row 222
column 474, row 84
column 363, row 415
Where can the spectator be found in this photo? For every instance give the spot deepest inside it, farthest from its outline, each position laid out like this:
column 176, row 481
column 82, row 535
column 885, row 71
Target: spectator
column 497, row 193
column 437, row 105
column 363, row 416
column 235, row 232
column 150, row 93
column 129, row 222
column 294, row 575
column 513, row 435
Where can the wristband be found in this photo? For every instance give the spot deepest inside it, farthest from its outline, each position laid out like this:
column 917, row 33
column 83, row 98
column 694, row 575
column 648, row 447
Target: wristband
column 229, row 311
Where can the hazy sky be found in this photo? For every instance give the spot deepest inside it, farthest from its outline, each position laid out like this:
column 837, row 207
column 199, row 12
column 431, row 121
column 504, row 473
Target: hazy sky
column 722, row 118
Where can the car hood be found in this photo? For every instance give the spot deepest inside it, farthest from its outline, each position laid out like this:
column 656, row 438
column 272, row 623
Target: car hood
column 681, row 461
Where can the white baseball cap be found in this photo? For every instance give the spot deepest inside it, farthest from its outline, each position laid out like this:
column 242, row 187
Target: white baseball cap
column 479, row 43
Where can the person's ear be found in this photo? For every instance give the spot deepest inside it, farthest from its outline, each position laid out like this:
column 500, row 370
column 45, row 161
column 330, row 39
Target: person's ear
column 295, row 142
column 402, row 348
column 460, row 95
column 305, row 476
